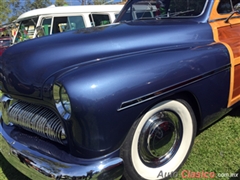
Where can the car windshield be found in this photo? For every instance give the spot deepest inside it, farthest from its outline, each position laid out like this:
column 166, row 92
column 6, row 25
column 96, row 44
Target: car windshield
column 148, row 9
column 25, row 29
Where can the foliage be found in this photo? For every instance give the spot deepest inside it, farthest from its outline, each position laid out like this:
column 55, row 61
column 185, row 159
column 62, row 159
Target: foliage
column 4, row 10
column 36, row 4
column 15, row 8
column 87, row 2
column 12, row 9
column 60, row 3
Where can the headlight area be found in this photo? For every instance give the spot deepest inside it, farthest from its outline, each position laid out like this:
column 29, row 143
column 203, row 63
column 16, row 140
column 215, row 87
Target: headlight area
column 62, row 101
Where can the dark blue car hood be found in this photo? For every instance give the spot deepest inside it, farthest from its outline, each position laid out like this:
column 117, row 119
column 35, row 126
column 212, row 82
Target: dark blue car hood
column 26, row 66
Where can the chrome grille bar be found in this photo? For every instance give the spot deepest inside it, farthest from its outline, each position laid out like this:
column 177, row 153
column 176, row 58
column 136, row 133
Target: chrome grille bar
column 37, row 119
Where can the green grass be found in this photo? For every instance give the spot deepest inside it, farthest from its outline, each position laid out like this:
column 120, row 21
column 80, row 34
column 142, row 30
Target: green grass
column 217, row 149
column 7, row 172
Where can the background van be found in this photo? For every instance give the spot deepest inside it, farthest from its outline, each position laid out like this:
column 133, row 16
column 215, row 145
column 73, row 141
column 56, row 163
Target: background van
column 51, row 20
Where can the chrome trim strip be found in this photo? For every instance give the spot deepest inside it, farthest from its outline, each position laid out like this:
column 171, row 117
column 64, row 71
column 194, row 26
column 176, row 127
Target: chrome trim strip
column 160, row 92
column 38, row 165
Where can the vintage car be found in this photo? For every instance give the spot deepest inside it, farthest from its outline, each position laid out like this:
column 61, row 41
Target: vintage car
column 124, row 100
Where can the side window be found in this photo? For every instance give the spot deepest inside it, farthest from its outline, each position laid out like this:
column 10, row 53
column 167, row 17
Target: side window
column 59, row 24
column 235, row 2
column 62, row 24
column 226, row 6
column 76, row 22
column 46, row 26
column 99, row 19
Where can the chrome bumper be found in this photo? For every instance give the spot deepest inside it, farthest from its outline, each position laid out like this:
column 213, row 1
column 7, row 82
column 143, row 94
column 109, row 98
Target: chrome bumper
column 37, row 165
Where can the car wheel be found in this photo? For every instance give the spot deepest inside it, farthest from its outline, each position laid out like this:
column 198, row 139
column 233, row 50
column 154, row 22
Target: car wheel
column 159, row 142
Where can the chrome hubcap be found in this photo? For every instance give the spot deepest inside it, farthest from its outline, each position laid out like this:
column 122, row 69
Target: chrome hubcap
column 160, row 138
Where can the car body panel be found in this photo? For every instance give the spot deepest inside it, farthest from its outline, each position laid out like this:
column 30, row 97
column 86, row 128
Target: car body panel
column 195, row 51
column 122, row 48
column 128, row 97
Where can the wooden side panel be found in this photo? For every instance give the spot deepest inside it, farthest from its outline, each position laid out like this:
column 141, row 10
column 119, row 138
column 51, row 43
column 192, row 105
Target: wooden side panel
column 228, row 33
column 236, row 84
column 231, row 35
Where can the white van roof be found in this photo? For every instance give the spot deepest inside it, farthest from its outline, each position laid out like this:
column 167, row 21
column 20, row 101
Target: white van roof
column 71, row 9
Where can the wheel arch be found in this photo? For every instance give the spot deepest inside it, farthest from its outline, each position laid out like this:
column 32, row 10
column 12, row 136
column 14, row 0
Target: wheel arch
column 184, row 95
column 192, row 101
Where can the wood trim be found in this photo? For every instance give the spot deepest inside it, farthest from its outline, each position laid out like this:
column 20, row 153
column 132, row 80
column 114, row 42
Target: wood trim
column 229, row 35
column 236, row 84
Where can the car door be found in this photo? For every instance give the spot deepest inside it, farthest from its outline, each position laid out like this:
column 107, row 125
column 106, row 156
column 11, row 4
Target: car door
column 226, row 30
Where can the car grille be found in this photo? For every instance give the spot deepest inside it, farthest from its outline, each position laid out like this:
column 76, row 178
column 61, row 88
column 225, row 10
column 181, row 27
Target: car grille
column 37, row 119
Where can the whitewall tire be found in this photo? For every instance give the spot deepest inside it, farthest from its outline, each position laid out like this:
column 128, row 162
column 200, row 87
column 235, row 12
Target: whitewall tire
column 159, row 142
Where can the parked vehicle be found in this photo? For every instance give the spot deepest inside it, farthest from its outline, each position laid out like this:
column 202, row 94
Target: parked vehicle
column 5, row 38
column 52, row 20
column 124, row 100
column 5, row 42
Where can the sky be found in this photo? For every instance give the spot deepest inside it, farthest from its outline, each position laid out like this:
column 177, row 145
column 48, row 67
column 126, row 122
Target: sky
column 73, row 2
column 70, row 2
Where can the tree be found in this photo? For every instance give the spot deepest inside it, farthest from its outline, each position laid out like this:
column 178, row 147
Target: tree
column 16, row 9
column 36, row 4
column 60, row 3
column 85, row 2
column 4, row 11
column 96, row 2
